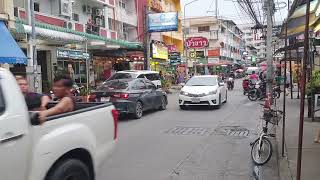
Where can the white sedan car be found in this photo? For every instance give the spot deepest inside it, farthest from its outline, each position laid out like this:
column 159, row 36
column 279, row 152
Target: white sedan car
column 203, row 91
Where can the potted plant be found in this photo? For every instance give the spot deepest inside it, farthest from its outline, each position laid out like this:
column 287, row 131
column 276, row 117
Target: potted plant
column 313, row 86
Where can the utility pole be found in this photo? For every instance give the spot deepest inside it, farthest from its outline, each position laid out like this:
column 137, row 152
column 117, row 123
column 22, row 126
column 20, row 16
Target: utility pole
column 269, row 11
column 304, row 63
column 146, row 40
column 32, row 68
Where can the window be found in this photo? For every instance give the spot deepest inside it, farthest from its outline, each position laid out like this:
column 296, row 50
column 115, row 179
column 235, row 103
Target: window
column 122, row 4
column 153, row 77
column 75, row 17
column 204, row 29
column 139, row 84
column 150, row 85
column 121, row 76
column 2, row 102
column 36, row 7
column 141, row 76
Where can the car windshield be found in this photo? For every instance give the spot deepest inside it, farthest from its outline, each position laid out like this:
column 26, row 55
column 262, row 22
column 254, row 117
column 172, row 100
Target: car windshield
column 202, row 81
column 122, row 76
column 113, row 85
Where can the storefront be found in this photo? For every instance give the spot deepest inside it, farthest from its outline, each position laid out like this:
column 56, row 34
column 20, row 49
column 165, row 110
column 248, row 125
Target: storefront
column 74, row 63
column 159, row 56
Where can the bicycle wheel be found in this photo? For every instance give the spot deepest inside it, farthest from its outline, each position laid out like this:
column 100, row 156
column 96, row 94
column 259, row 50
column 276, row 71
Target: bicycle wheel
column 262, row 155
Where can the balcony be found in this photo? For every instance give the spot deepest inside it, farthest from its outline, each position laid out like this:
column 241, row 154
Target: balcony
column 65, row 23
column 211, row 35
column 126, row 16
column 110, row 3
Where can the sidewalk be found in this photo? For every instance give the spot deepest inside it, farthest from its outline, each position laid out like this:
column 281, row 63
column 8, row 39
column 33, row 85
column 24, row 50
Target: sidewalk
column 310, row 152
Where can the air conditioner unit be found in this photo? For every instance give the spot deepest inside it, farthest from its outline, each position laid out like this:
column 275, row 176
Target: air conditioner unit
column 87, row 9
column 69, row 25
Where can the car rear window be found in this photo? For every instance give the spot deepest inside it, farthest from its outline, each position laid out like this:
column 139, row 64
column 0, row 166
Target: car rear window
column 153, row 76
column 111, row 85
column 122, row 76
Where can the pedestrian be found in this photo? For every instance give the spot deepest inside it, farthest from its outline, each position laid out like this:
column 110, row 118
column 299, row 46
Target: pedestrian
column 66, row 102
column 317, row 139
column 34, row 101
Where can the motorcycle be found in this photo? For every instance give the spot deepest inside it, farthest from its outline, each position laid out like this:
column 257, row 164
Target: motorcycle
column 230, row 83
column 258, row 92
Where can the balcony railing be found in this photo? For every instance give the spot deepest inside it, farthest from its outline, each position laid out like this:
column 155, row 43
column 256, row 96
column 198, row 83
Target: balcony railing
column 213, row 35
column 65, row 23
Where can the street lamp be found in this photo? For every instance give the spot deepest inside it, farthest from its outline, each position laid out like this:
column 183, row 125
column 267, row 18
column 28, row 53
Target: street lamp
column 184, row 33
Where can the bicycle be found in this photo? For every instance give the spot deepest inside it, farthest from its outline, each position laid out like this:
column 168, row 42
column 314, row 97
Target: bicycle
column 261, row 148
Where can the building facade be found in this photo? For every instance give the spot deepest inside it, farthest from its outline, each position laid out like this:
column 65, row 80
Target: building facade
column 255, row 43
column 224, row 42
column 83, row 38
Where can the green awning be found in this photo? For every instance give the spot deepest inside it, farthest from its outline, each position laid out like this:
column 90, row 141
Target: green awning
column 121, row 43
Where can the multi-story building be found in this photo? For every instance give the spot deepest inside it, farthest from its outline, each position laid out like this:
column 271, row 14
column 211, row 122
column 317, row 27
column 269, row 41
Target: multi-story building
column 68, row 31
column 256, row 44
column 224, row 39
column 173, row 40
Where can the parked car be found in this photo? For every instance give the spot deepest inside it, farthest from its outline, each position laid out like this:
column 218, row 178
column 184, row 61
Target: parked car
column 208, row 90
column 150, row 75
column 131, row 96
column 72, row 145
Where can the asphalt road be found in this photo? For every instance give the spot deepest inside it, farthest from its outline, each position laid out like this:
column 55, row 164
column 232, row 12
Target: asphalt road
column 197, row 144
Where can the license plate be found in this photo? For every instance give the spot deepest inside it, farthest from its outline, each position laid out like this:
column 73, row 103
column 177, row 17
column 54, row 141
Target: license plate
column 195, row 100
column 103, row 99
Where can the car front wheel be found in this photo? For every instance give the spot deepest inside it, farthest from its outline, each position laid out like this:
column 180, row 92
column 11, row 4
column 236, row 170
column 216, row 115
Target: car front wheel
column 69, row 169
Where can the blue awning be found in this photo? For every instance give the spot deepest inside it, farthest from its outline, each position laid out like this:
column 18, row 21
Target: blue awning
column 10, row 52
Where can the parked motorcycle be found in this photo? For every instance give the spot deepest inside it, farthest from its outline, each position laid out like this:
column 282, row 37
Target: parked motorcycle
column 276, row 92
column 258, row 92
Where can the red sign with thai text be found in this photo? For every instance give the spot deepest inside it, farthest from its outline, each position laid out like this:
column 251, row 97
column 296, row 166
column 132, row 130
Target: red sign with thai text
column 214, row 52
column 196, row 42
column 172, row 48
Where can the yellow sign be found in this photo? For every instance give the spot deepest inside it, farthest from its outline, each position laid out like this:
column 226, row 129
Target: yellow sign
column 159, row 51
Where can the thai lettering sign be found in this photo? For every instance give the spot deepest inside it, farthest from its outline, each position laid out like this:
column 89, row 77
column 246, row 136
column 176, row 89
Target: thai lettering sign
column 196, row 42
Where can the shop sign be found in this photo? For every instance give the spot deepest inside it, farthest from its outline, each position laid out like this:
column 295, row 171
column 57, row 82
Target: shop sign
column 214, row 52
column 213, row 60
column 196, row 42
column 200, row 54
column 202, row 61
column 163, row 22
column 172, row 48
column 72, row 54
column 159, row 50
column 175, row 58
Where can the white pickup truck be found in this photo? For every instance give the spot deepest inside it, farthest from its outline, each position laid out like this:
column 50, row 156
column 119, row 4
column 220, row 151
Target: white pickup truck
column 67, row 146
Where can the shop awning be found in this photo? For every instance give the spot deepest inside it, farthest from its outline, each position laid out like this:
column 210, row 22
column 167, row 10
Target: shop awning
column 10, row 52
column 296, row 21
column 55, row 35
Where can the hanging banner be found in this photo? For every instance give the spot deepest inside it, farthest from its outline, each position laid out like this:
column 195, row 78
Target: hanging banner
column 163, row 22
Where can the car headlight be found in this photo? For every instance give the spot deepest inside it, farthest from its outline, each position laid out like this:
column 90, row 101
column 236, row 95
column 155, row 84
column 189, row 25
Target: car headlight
column 184, row 93
column 212, row 92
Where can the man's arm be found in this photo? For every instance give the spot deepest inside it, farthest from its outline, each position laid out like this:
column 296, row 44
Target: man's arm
column 44, row 102
column 65, row 105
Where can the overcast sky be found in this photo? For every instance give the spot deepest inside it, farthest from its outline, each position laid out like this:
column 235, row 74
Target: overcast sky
column 228, row 9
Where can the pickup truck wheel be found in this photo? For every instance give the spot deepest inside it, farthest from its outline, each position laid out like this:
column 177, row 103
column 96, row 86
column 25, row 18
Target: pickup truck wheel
column 69, row 169
column 139, row 110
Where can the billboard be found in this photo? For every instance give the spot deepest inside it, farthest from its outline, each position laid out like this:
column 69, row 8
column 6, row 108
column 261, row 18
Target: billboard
column 163, row 22
column 159, row 50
